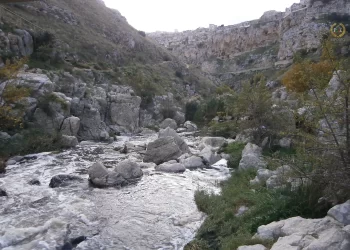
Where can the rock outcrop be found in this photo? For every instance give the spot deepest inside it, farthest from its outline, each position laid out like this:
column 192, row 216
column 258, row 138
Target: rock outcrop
column 252, row 157
column 299, row 233
column 227, row 52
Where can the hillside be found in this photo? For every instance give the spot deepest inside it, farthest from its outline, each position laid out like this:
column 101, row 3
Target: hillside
column 90, row 55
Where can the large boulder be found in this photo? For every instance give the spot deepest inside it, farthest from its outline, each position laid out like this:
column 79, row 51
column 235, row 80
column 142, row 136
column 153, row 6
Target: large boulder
column 300, row 233
column 168, row 123
column 171, row 167
column 193, row 162
column 253, row 247
column 209, row 156
column 179, row 117
column 252, row 157
column 125, row 111
column 129, row 170
column 70, row 126
column 101, row 177
column 341, row 213
column 190, row 126
column 162, row 150
column 179, row 141
column 64, row 180
column 68, row 141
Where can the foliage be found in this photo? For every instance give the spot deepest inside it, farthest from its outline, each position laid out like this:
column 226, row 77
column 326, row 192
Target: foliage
column 45, row 103
column 323, row 136
column 223, row 230
column 228, row 129
column 30, row 141
column 11, row 69
column 235, row 152
column 224, row 89
column 190, row 110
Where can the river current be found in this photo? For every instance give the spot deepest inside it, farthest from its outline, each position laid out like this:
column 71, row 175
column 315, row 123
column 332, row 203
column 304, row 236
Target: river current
column 158, row 212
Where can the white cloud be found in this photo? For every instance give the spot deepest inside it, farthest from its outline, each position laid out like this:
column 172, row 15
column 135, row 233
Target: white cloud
column 164, row 15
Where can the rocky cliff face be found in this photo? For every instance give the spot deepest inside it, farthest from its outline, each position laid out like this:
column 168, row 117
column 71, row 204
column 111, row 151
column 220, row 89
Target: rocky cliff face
column 264, row 44
column 90, row 73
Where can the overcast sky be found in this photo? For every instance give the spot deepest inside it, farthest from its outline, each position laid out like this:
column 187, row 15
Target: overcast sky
column 165, row 15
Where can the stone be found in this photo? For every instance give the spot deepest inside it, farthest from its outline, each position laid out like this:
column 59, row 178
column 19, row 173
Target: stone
column 162, row 150
column 65, row 180
column 341, row 213
column 209, row 156
column 264, row 174
column 125, row 111
column 68, row 141
column 16, row 158
column 252, row 157
column 241, row 210
column 179, row 117
column 101, row 177
column 190, row 126
column 285, row 143
column 253, row 247
column 168, row 123
column 171, row 167
column 147, row 131
column 4, row 136
column 10, row 162
column 129, row 170
column 3, row 192
column 179, row 141
column 34, row 182
column 70, row 126
column 214, row 142
column 193, row 162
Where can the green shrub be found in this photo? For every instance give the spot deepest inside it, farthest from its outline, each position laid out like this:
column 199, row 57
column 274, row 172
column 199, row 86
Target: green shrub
column 235, row 151
column 228, row 129
column 223, row 230
column 32, row 141
column 191, row 109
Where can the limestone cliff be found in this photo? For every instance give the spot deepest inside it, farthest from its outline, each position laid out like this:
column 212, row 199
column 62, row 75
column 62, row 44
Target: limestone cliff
column 259, row 45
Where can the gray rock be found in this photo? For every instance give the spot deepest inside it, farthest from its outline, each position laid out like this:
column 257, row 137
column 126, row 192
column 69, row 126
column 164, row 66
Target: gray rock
column 264, row 174
column 147, row 131
column 252, row 157
column 253, row 247
column 10, row 162
column 4, row 136
column 3, row 192
column 179, row 141
column 171, row 167
column 68, row 141
column 341, row 213
column 179, row 117
column 64, row 181
column 34, row 182
column 129, row 170
column 168, row 123
column 190, row 126
column 285, row 143
column 70, row 126
column 162, row 150
column 241, row 210
column 274, row 181
column 193, row 162
column 101, row 177
column 125, row 111
column 209, row 156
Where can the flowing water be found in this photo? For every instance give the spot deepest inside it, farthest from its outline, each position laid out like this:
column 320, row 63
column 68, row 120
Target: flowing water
column 158, row 212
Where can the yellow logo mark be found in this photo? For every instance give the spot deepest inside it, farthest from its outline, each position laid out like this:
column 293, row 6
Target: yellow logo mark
column 338, row 30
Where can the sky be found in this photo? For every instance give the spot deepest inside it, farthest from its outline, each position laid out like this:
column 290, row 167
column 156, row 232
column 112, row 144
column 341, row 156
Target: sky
column 165, row 15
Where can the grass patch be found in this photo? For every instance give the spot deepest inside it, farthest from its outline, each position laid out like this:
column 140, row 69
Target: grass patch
column 223, row 230
column 235, row 152
column 228, row 129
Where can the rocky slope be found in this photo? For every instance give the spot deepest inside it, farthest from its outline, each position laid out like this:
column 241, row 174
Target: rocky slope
column 261, row 45
column 90, row 73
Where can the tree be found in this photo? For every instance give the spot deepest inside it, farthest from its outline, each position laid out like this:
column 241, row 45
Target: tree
column 324, row 87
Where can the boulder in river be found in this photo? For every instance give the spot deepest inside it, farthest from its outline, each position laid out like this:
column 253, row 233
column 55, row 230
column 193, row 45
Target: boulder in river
column 3, row 192
column 129, row 170
column 68, row 141
column 193, row 162
column 190, row 126
column 162, row 150
column 101, row 177
column 171, row 167
column 64, row 180
column 179, row 141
